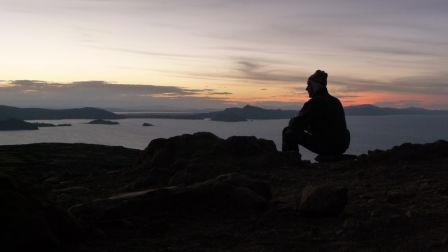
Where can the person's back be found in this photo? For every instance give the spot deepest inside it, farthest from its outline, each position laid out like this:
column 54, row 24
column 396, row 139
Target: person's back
column 329, row 120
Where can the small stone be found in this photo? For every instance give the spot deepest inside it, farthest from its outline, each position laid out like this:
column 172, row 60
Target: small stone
column 323, row 201
column 51, row 180
column 424, row 185
column 399, row 196
column 393, row 197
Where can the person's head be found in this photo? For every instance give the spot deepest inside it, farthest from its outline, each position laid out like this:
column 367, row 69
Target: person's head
column 316, row 82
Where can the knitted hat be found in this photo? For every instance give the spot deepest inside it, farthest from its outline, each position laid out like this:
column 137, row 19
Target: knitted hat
column 319, row 76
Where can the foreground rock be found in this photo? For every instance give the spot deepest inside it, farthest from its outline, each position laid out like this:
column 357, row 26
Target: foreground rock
column 203, row 193
column 323, row 201
column 230, row 193
column 32, row 224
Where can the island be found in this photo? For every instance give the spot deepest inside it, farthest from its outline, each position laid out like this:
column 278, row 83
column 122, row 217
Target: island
column 227, row 117
column 7, row 112
column 250, row 112
column 234, row 114
column 39, row 124
column 42, row 125
column 101, row 121
column 17, row 124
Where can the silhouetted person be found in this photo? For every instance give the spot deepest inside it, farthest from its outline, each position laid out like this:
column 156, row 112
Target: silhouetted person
column 320, row 126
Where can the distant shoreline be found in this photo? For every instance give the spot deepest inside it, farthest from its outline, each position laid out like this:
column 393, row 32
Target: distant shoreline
column 234, row 114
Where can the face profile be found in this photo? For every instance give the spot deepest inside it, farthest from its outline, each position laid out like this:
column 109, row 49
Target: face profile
column 309, row 89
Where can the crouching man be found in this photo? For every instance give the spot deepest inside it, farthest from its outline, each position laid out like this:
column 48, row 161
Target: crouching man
column 320, row 125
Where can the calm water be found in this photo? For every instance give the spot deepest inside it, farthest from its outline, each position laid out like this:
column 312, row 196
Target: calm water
column 368, row 132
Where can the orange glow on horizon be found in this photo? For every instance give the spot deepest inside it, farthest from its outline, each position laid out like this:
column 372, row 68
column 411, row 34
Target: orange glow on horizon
column 382, row 99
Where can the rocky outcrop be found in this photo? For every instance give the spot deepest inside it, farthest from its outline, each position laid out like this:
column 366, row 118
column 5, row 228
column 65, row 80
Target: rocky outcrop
column 188, row 159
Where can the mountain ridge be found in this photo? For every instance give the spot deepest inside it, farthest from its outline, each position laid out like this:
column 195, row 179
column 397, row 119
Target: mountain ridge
column 7, row 112
column 232, row 114
column 250, row 112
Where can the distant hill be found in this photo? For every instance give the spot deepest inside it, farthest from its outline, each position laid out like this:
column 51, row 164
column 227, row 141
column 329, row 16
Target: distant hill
column 249, row 112
column 235, row 114
column 16, row 124
column 7, row 112
column 101, row 121
column 371, row 110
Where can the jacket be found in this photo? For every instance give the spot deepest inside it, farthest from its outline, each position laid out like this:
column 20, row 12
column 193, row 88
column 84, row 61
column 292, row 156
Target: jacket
column 324, row 118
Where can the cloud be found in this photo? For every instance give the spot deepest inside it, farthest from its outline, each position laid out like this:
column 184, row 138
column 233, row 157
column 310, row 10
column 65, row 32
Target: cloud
column 436, row 84
column 250, row 70
column 104, row 94
column 220, row 93
column 394, row 51
column 147, row 53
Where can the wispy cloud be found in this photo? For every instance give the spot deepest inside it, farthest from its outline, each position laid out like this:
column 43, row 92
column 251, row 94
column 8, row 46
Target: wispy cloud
column 431, row 85
column 104, row 94
column 148, row 53
column 394, row 51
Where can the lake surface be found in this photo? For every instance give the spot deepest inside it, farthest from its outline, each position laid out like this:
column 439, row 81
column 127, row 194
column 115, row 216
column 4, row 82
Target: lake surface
column 368, row 132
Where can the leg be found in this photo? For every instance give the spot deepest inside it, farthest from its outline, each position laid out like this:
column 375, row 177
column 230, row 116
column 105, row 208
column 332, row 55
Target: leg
column 290, row 140
column 324, row 146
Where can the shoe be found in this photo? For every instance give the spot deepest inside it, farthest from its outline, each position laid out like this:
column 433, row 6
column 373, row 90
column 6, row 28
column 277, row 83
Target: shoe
column 292, row 155
column 334, row 158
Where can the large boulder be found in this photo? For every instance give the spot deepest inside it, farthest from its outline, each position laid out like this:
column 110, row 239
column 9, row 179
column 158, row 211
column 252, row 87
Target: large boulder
column 323, row 201
column 188, row 159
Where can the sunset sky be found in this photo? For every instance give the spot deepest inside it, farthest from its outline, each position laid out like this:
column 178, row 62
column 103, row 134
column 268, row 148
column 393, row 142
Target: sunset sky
column 195, row 54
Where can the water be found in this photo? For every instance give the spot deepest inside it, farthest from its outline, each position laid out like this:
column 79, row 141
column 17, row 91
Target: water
column 368, row 132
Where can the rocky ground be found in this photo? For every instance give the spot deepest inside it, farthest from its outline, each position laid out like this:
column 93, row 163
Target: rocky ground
column 202, row 193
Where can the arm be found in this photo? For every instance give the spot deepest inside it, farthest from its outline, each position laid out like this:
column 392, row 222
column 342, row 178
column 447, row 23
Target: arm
column 302, row 121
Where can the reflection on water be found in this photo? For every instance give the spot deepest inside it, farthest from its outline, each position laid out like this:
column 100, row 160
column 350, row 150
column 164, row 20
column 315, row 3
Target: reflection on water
column 368, row 132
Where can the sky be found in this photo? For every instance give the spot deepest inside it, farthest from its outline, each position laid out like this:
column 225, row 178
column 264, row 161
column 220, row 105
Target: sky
column 211, row 54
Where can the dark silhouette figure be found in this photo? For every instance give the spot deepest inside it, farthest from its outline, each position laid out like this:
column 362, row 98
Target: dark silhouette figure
column 320, row 125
